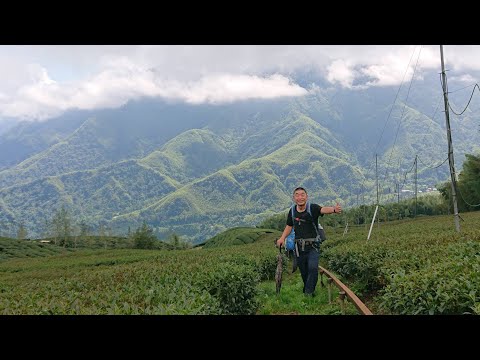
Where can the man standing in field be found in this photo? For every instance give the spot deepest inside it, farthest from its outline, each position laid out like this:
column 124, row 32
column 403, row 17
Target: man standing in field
column 307, row 242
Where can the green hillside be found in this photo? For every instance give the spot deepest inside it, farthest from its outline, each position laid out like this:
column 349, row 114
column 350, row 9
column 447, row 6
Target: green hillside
column 241, row 195
column 419, row 266
column 239, row 236
column 29, row 138
column 192, row 154
column 13, row 248
column 127, row 190
column 198, row 170
column 97, row 194
column 106, row 137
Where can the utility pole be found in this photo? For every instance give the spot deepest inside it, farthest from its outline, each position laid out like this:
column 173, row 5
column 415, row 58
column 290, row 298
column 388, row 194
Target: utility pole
column 376, row 177
column 398, row 193
column 450, row 146
column 364, row 208
column 415, row 186
column 376, row 174
column 398, row 201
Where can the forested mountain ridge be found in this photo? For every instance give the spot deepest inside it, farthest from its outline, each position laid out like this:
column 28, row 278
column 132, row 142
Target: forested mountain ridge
column 199, row 169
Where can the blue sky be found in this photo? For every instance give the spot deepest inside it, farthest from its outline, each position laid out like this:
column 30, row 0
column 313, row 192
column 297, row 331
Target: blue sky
column 39, row 82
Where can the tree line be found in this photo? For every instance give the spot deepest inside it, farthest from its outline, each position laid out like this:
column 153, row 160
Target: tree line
column 468, row 195
column 468, row 186
column 62, row 230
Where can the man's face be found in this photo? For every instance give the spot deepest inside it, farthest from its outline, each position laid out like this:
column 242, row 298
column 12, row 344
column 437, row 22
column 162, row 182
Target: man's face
column 300, row 197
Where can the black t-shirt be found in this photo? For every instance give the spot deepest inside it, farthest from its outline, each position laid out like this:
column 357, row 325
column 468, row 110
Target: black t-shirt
column 304, row 226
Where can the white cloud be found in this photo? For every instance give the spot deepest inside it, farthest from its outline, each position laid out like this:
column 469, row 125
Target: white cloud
column 341, row 71
column 381, row 67
column 43, row 81
column 229, row 88
column 124, row 80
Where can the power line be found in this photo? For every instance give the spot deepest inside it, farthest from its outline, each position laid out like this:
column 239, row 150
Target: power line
column 398, row 173
column 384, row 127
column 454, row 91
column 401, row 117
column 400, row 187
column 448, row 101
column 433, row 167
column 466, row 202
column 391, row 109
column 438, row 104
column 405, row 179
column 466, row 107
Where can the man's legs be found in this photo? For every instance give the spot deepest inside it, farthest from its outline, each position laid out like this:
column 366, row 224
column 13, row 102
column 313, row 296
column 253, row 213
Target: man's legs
column 308, row 265
column 302, row 263
column 312, row 257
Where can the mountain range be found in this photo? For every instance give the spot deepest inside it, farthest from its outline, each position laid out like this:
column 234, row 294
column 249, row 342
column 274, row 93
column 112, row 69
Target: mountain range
column 196, row 170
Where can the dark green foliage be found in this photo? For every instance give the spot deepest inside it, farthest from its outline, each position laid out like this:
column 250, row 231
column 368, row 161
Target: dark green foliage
column 176, row 242
column 14, row 248
column 237, row 236
column 266, row 267
column 130, row 281
column 234, row 286
column 420, row 266
column 174, row 239
column 446, row 287
column 62, row 227
column 144, row 238
column 470, row 178
column 276, row 222
column 468, row 186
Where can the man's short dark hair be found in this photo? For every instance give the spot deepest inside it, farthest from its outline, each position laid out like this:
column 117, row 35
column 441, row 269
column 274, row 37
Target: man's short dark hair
column 299, row 188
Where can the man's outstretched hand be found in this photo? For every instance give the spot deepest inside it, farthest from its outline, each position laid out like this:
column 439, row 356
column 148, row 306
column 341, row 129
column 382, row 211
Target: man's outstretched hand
column 338, row 208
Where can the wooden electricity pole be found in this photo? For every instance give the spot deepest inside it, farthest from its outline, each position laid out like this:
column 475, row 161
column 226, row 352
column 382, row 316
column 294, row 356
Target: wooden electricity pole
column 450, row 146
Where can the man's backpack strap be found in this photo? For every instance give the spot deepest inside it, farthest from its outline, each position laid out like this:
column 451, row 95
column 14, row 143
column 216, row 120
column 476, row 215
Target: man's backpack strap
column 319, row 229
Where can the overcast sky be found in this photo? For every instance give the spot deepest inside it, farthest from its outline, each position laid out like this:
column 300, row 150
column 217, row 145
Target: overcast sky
column 38, row 82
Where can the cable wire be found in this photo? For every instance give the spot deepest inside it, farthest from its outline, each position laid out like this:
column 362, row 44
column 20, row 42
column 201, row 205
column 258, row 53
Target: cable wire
column 433, row 167
column 447, row 92
column 466, row 202
column 384, row 127
column 401, row 117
